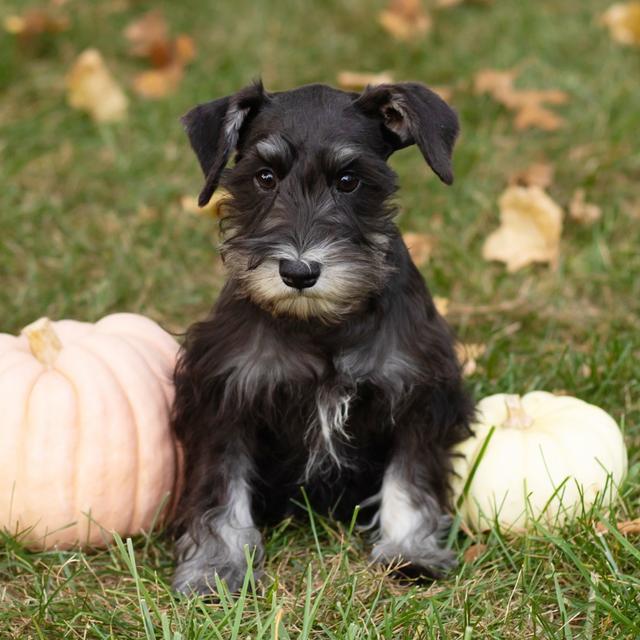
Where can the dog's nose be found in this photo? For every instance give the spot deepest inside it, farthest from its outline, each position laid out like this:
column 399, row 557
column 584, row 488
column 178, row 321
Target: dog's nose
column 299, row 275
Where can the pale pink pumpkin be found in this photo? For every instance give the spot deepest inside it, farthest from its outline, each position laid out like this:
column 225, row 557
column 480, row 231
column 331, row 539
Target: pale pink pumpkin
column 84, row 429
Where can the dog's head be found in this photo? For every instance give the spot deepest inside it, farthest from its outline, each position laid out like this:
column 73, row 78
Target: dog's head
column 308, row 224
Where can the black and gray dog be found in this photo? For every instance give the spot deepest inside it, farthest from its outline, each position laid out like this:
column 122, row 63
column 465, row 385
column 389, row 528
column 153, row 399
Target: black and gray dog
column 324, row 362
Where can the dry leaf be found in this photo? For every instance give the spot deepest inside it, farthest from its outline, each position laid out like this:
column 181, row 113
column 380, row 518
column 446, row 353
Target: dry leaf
column 420, row 246
column 149, row 38
column 625, row 527
column 442, row 305
column 536, row 116
column 623, row 21
column 405, row 19
column 538, row 174
column 523, row 98
column 629, row 526
column 91, row 88
column 213, row 208
column 184, row 49
column 356, row 81
column 582, row 211
column 157, row 83
column 530, row 228
column 474, row 552
column 494, row 81
column 449, row 4
column 528, row 104
column 585, row 370
column 468, row 354
column 35, row 22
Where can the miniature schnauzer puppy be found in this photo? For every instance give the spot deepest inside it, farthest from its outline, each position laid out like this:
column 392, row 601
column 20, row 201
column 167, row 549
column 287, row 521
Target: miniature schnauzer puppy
column 324, row 363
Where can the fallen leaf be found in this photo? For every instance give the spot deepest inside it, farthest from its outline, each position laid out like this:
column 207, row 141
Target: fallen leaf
column 449, row 4
column 420, row 246
column 528, row 104
column 184, row 48
column 442, row 305
column 92, row 88
column 149, row 37
column 629, row 526
column 534, row 115
column 213, row 208
column 582, row 211
column 538, row 174
column 467, row 356
column 522, row 98
column 405, row 19
column 35, row 22
column 494, row 81
column 356, row 80
column 530, row 229
column 625, row 527
column 157, row 83
column 623, row 22
column 474, row 552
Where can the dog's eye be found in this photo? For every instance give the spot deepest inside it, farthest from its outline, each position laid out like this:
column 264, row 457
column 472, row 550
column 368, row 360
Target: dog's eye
column 266, row 179
column 346, row 182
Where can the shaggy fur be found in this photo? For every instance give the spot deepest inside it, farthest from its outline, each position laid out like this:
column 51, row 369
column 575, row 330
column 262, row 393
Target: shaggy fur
column 349, row 385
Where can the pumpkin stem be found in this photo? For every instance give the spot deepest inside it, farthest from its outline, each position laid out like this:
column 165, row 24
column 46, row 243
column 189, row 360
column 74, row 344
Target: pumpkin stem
column 43, row 341
column 517, row 417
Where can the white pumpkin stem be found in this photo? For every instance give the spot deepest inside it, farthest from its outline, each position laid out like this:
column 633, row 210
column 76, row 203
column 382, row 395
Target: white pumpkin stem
column 43, row 341
column 517, row 417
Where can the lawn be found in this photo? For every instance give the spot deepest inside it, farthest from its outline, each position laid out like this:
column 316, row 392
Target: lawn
column 92, row 223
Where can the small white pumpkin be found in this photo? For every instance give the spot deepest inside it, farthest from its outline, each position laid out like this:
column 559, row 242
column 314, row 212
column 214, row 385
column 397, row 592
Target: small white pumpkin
column 84, row 429
column 545, row 457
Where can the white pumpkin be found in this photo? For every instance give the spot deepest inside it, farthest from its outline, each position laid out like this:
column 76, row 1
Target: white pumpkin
column 85, row 445
column 546, row 457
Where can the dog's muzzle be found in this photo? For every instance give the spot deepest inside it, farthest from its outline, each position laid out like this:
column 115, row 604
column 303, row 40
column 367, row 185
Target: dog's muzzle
column 299, row 275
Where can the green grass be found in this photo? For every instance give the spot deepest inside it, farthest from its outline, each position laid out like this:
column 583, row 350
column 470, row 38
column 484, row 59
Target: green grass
column 91, row 223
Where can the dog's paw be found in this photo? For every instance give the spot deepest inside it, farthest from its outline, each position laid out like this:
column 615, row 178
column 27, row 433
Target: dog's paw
column 429, row 562
column 199, row 563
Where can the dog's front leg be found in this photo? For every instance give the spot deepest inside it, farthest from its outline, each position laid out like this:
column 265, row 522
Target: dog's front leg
column 412, row 525
column 415, row 487
column 218, row 537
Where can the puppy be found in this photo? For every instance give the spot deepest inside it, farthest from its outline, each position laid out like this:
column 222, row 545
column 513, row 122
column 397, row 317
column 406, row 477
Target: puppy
column 324, row 363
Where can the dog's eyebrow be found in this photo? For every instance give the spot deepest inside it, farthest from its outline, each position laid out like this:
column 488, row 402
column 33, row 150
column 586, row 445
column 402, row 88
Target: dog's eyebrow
column 275, row 150
column 340, row 155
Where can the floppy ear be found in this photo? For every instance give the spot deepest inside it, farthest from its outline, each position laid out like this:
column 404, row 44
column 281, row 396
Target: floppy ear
column 214, row 130
column 413, row 114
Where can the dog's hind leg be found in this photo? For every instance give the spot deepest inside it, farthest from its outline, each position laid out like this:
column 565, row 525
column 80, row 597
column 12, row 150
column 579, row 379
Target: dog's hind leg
column 217, row 542
column 412, row 526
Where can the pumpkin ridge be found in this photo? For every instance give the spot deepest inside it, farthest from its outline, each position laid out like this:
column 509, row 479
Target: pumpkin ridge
column 76, row 448
column 95, row 522
column 135, row 423
column 154, row 360
column 24, row 427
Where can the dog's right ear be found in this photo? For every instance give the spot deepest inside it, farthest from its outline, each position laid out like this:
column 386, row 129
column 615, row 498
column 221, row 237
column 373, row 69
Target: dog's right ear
column 214, row 130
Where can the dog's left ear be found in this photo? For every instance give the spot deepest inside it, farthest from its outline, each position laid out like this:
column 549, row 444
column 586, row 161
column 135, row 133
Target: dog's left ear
column 214, row 131
column 412, row 114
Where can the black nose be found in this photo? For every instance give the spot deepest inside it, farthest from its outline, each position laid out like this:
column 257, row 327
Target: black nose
column 299, row 275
